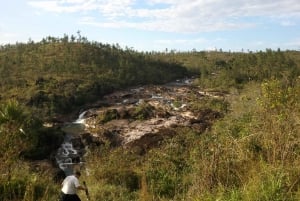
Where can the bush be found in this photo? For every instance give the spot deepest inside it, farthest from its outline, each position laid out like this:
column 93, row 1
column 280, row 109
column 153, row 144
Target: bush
column 143, row 111
column 12, row 189
column 267, row 184
column 168, row 167
column 108, row 115
column 126, row 178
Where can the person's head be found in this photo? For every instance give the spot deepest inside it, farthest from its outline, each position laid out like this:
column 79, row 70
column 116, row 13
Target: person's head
column 77, row 174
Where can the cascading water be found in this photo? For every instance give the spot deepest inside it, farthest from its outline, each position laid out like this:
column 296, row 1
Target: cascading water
column 70, row 153
column 81, row 118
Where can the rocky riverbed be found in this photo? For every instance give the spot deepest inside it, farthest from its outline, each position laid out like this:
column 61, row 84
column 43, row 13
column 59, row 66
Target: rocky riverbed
column 137, row 118
column 142, row 117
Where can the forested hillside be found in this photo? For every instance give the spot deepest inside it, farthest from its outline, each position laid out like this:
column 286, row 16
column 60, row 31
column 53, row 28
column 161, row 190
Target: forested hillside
column 57, row 75
column 225, row 69
column 250, row 152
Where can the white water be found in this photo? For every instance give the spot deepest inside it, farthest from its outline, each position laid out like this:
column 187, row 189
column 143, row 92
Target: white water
column 67, row 156
column 81, row 119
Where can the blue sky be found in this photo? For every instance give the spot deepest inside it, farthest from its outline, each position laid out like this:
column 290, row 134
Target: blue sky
column 147, row 25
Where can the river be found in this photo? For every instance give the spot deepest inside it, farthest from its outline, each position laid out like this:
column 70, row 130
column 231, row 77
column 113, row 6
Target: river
column 171, row 106
column 70, row 153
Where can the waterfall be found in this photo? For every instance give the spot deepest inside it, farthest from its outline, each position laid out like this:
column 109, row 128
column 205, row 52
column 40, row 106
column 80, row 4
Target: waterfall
column 81, row 118
column 71, row 150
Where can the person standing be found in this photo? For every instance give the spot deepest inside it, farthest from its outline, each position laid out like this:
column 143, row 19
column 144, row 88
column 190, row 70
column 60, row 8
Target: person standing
column 70, row 185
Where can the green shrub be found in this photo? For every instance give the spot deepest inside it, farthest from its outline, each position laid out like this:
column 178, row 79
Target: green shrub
column 267, row 184
column 48, row 140
column 162, row 182
column 108, row 115
column 168, row 167
column 143, row 111
column 12, row 190
column 126, row 178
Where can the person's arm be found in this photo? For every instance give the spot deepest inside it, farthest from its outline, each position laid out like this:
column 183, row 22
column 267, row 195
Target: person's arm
column 81, row 187
column 78, row 186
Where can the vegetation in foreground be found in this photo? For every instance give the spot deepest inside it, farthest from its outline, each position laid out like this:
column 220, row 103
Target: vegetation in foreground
column 250, row 154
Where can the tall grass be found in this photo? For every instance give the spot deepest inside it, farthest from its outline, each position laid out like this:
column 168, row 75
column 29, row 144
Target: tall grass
column 26, row 185
column 252, row 153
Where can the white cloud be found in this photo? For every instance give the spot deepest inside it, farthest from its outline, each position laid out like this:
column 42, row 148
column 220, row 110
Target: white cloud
column 287, row 23
column 176, row 15
column 60, row 6
column 182, row 41
column 104, row 6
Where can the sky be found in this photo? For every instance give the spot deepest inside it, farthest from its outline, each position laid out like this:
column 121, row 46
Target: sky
column 158, row 25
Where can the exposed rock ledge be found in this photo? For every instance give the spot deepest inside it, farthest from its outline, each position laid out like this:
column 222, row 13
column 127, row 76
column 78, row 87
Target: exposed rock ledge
column 144, row 116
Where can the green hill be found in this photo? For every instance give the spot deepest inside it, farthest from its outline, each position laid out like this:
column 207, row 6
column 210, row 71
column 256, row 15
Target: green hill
column 57, row 75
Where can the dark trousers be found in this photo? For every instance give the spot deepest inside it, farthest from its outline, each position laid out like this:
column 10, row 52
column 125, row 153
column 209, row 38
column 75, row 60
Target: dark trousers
column 69, row 197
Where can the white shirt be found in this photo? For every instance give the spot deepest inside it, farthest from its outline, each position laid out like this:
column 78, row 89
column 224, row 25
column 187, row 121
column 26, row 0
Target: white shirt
column 70, row 184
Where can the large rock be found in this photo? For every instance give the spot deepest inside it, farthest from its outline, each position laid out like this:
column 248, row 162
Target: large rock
column 143, row 124
column 149, row 140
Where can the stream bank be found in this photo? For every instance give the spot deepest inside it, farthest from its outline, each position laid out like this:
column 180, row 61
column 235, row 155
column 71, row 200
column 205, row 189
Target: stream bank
column 138, row 119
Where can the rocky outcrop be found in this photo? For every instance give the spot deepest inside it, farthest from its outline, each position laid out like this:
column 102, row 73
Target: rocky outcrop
column 141, row 118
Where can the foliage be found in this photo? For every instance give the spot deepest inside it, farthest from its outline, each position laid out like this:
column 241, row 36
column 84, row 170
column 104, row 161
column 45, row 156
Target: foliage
column 167, row 168
column 57, row 75
column 22, row 135
column 222, row 70
column 215, row 104
column 26, row 185
column 108, row 115
column 47, row 141
column 12, row 190
column 14, row 131
column 143, row 111
column 278, row 127
column 250, row 154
